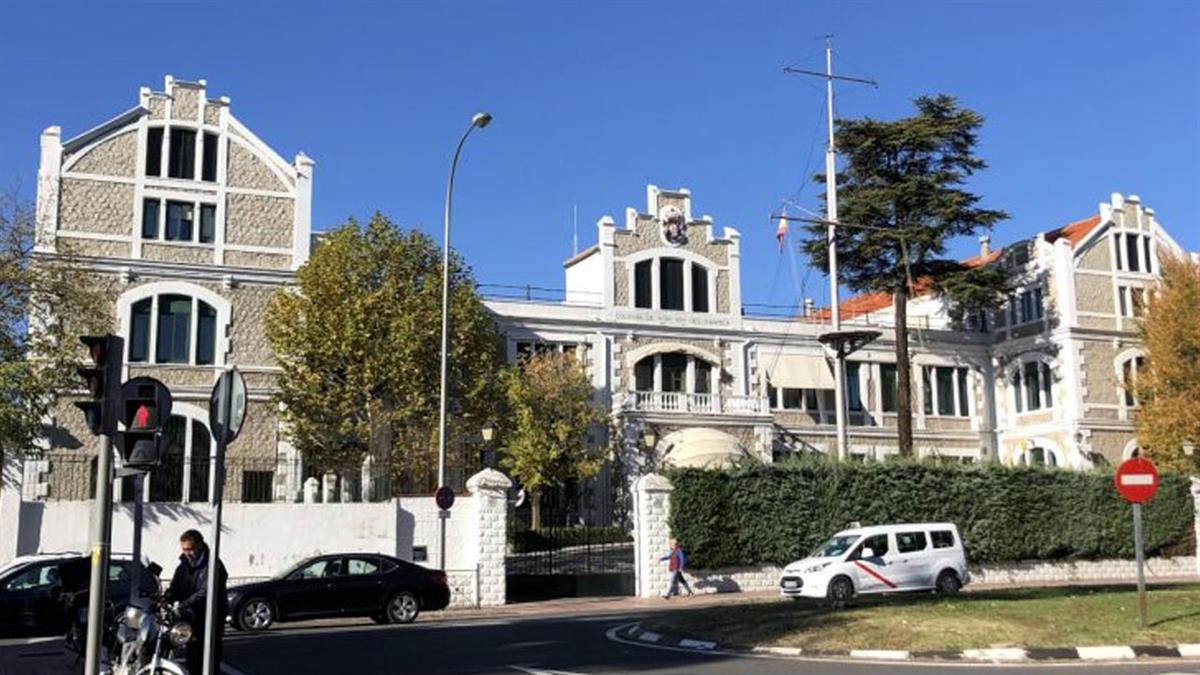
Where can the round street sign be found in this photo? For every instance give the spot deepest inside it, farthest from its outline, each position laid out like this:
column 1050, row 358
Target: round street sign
column 227, row 406
column 444, row 497
column 1136, row 479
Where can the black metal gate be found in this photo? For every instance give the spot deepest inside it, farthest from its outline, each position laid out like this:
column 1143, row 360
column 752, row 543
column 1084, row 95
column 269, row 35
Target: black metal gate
column 578, row 551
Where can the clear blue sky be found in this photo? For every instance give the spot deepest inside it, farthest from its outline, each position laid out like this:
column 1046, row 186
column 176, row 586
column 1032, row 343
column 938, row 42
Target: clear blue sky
column 594, row 100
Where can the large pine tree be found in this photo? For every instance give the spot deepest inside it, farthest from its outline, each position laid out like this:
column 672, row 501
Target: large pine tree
column 903, row 181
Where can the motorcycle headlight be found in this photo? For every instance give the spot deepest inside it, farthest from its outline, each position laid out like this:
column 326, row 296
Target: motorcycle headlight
column 180, row 634
column 133, row 617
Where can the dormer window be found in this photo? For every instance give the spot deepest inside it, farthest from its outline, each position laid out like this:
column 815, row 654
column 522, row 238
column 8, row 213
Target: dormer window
column 181, row 153
column 1134, row 252
column 670, row 279
column 181, row 162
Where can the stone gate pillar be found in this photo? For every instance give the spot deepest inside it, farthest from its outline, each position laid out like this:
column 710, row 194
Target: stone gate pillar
column 652, row 503
column 489, row 514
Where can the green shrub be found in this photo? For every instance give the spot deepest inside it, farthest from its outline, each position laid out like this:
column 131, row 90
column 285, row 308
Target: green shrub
column 777, row 513
column 524, row 540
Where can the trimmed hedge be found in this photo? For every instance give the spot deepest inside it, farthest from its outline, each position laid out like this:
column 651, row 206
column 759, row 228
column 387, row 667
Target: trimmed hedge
column 777, row 513
column 552, row 538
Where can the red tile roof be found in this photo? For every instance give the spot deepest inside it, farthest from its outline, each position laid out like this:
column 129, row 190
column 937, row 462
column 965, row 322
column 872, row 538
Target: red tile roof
column 873, row 302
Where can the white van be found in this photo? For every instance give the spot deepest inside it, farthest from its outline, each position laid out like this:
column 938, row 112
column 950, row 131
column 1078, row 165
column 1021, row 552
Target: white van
column 880, row 559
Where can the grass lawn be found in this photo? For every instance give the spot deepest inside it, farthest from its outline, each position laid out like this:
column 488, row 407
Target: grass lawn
column 1035, row 617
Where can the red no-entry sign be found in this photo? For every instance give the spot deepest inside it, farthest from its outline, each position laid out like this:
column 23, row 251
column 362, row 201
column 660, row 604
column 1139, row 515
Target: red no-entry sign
column 1136, row 479
column 444, row 497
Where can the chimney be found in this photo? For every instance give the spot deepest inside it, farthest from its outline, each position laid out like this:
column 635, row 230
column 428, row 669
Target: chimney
column 985, row 245
column 810, row 307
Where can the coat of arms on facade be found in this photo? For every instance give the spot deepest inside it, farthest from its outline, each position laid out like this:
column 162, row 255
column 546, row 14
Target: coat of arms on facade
column 674, row 225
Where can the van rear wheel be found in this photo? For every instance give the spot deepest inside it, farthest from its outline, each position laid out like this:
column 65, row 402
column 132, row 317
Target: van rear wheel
column 948, row 583
column 840, row 591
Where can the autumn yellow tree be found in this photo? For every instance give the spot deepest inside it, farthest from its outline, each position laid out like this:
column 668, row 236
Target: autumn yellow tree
column 1169, row 392
column 551, row 411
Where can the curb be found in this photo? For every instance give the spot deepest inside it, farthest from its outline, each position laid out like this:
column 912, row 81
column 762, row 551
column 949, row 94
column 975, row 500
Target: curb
column 633, row 633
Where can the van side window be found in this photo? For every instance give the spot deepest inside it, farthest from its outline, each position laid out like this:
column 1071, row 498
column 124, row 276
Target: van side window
column 907, row 542
column 942, row 538
column 878, row 545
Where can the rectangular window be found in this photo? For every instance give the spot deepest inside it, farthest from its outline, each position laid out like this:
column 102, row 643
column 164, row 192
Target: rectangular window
column 963, row 393
column 206, row 333
column 139, row 331
column 699, row 289
column 945, row 391
column 1131, row 252
column 256, row 486
column 181, row 162
column 179, row 221
column 1047, row 382
column 1033, row 398
column 1016, row 388
column 150, row 218
column 1137, row 299
column 927, row 389
column 1039, row 309
column 772, row 396
column 792, row 398
column 887, row 381
column 1123, row 300
column 154, row 139
column 670, row 277
column 642, row 293
column 208, row 160
column 198, row 485
column 674, row 372
column 810, row 400
column 174, row 329
column 703, row 384
column 853, row 387
column 1149, row 256
column 1013, row 315
column 942, row 538
column 208, row 223
column 909, row 542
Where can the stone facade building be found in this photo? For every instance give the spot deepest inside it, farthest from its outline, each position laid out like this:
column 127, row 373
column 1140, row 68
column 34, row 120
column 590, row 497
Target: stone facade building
column 190, row 222
column 655, row 311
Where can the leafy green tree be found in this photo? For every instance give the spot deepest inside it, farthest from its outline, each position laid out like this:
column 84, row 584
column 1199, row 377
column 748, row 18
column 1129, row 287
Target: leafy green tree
column 1169, row 390
column 550, row 413
column 46, row 302
column 359, row 343
column 900, row 196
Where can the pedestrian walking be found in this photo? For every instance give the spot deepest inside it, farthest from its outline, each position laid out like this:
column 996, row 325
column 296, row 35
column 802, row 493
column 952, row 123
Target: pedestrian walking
column 676, row 562
column 188, row 590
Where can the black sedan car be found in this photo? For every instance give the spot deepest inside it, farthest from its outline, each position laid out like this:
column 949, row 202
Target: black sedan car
column 386, row 589
column 31, row 587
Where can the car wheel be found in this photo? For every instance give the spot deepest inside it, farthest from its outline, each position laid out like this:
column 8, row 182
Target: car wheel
column 403, row 608
column 948, row 583
column 255, row 614
column 840, row 591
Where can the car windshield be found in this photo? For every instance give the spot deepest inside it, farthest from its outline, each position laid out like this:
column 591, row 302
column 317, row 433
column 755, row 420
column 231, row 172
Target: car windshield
column 835, row 547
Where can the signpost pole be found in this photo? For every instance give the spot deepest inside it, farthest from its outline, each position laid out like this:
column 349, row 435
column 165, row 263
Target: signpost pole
column 224, row 401
column 135, row 577
column 1137, row 546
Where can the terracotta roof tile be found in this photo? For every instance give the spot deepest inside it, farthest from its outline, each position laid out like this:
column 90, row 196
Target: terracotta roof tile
column 1074, row 232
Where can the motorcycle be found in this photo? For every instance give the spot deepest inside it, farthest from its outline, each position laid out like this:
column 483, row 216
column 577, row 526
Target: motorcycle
column 150, row 641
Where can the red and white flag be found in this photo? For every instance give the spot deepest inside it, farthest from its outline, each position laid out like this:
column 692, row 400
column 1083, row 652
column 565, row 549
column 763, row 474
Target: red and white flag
column 781, row 232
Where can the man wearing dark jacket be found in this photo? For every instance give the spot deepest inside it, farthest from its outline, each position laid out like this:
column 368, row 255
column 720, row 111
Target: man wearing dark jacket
column 188, row 590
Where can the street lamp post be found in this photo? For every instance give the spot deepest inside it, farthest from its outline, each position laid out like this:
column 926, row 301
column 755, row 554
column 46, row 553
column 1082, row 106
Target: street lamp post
column 488, row 433
column 480, row 120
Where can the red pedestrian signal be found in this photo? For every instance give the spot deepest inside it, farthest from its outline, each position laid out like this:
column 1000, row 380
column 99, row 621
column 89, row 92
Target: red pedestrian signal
column 145, row 408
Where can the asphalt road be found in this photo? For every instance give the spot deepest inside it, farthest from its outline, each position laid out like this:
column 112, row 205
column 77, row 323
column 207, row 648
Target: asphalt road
column 554, row 646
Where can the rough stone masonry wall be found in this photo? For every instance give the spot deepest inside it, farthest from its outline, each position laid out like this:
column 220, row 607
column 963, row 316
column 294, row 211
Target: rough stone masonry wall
column 651, row 534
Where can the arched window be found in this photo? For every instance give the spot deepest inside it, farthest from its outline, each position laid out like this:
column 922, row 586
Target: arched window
column 673, row 372
column 183, row 474
column 175, row 323
column 679, row 284
column 1038, row 456
column 1031, row 384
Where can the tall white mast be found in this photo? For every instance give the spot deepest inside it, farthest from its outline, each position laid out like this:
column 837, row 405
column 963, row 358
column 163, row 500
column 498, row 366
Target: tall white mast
column 831, row 214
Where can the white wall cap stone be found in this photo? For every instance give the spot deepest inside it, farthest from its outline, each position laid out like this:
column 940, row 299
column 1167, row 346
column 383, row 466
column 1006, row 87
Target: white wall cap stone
column 731, row 233
column 488, row 479
column 653, row 482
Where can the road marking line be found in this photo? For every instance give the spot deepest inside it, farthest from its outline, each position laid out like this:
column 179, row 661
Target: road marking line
column 539, row 671
column 647, row 636
column 697, row 644
column 880, row 654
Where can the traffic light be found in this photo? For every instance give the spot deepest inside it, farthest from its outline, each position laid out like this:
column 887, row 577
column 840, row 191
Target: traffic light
column 103, row 382
column 145, row 409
